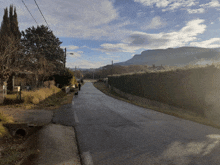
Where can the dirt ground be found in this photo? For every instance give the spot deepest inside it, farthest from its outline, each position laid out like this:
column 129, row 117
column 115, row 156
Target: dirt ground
column 25, row 123
column 17, row 148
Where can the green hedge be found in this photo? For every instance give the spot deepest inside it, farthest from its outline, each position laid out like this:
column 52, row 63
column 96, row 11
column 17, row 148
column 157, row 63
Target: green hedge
column 189, row 88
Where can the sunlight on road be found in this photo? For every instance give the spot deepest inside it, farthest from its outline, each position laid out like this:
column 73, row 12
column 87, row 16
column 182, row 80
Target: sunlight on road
column 180, row 152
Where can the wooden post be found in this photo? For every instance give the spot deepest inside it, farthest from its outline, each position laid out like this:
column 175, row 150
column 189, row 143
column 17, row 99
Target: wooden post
column 4, row 89
column 20, row 91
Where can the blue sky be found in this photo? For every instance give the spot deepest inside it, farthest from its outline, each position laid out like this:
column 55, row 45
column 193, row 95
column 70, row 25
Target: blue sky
column 99, row 31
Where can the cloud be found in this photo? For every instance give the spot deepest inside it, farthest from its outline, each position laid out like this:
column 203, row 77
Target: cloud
column 154, row 24
column 72, row 54
column 211, row 43
column 71, row 47
column 213, row 3
column 105, row 58
column 152, row 2
column 82, row 19
column 120, row 47
column 140, row 14
column 139, row 40
column 194, row 11
column 85, row 64
column 89, row 13
column 79, row 19
column 167, row 4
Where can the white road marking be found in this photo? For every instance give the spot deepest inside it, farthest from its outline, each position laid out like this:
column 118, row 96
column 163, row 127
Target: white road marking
column 72, row 102
column 87, row 158
column 76, row 118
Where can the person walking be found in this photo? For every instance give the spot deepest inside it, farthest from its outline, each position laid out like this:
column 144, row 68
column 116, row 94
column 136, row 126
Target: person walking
column 79, row 86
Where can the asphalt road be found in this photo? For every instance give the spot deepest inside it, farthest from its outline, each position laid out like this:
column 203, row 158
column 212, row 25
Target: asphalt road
column 111, row 131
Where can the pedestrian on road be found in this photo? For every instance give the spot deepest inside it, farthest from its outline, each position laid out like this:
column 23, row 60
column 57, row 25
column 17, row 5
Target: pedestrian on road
column 79, row 86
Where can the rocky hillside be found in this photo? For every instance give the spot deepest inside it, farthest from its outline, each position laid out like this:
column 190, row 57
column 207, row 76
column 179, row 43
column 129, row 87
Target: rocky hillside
column 173, row 56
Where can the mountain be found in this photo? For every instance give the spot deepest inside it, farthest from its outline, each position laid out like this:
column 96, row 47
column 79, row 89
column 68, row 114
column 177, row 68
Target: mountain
column 173, row 56
column 81, row 69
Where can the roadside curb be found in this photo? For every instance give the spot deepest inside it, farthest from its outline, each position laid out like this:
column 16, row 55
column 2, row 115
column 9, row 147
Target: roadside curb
column 56, row 146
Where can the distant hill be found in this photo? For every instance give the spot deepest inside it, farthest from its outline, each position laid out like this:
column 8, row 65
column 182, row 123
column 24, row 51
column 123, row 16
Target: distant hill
column 82, row 69
column 173, row 56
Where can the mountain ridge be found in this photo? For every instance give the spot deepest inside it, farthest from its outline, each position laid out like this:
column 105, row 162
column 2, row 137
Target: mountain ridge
column 173, row 56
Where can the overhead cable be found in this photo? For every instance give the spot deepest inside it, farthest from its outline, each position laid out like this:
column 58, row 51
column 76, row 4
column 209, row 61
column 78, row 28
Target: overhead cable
column 29, row 12
column 41, row 13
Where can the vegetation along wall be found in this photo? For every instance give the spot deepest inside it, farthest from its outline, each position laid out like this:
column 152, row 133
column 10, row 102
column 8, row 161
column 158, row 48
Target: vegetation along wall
column 194, row 89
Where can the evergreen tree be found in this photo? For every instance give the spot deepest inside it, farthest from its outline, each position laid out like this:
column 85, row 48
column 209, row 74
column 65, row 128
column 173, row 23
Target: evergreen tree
column 9, row 43
column 14, row 24
column 5, row 26
column 42, row 48
column 5, row 31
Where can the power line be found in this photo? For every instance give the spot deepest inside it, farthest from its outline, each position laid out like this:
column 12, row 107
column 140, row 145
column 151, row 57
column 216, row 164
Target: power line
column 41, row 13
column 29, row 12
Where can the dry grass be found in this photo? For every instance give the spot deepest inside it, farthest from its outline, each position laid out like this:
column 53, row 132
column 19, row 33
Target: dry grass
column 187, row 115
column 3, row 130
column 35, row 97
column 44, row 98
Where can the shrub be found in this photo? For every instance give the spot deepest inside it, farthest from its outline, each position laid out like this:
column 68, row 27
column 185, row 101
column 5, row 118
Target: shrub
column 66, row 78
column 73, row 81
column 35, row 100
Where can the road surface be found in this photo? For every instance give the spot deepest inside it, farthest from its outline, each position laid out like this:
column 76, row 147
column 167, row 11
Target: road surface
column 111, row 131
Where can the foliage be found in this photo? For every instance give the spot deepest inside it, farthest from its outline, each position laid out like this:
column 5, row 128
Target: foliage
column 9, row 44
column 193, row 88
column 42, row 51
column 65, row 78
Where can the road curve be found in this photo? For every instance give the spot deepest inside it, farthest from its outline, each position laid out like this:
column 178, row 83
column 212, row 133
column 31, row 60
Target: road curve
column 111, row 131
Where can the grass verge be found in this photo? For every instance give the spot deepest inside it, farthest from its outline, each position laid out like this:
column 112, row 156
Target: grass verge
column 187, row 115
column 44, row 98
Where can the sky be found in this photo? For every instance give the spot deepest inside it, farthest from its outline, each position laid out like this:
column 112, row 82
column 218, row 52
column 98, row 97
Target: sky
column 95, row 32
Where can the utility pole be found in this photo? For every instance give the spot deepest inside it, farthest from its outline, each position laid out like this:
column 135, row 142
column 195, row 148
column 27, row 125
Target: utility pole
column 79, row 73
column 64, row 59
